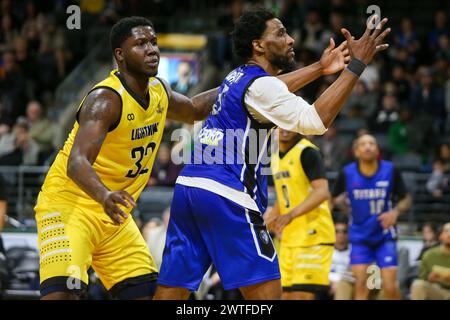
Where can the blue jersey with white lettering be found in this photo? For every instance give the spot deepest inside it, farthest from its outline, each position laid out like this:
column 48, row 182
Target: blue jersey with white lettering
column 369, row 197
column 232, row 148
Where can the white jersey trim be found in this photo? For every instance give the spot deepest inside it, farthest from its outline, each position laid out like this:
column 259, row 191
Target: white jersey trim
column 234, row 195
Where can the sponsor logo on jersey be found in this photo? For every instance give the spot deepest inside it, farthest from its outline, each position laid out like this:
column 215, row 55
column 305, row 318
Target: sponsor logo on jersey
column 210, row 137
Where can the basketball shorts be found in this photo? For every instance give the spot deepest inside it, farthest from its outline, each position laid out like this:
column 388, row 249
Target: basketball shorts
column 305, row 268
column 207, row 228
column 384, row 254
column 72, row 238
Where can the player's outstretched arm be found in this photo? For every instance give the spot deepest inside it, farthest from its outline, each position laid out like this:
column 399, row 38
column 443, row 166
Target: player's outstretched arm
column 100, row 112
column 333, row 60
column 362, row 52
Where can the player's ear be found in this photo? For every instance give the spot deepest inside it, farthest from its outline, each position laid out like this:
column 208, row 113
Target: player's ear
column 118, row 53
column 258, row 46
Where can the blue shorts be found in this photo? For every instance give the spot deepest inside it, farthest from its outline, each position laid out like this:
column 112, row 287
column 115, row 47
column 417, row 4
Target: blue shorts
column 206, row 228
column 383, row 253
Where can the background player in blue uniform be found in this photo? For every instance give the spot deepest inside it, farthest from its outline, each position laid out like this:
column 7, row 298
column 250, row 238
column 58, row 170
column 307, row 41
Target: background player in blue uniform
column 371, row 186
column 216, row 212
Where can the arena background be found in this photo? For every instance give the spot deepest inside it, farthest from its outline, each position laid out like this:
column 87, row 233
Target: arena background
column 48, row 63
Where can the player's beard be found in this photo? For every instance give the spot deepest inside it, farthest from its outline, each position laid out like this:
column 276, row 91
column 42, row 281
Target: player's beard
column 283, row 62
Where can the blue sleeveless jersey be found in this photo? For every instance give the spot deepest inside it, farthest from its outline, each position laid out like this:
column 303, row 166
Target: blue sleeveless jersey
column 369, row 197
column 231, row 144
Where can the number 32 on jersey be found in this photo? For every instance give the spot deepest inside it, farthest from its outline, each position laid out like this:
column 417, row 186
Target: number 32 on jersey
column 138, row 154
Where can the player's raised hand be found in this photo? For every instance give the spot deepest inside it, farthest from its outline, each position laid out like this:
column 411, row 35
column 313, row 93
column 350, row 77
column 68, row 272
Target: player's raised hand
column 334, row 59
column 388, row 219
column 371, row 42
column 110, row 205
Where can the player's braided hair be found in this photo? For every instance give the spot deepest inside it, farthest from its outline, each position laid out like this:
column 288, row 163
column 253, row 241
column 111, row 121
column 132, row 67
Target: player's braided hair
column 250, row 26
column 122, row 29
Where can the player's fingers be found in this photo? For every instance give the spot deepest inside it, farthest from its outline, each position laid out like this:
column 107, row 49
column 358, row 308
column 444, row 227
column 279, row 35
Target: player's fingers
column 347, row 59
column 118, row 212
column 379, row 27
column 383, row 35
column 347, row 35
column 331, row 45
column 381, row 47
column 118, row 198
column 343, row 46
column 370, row 25
column 125, row 195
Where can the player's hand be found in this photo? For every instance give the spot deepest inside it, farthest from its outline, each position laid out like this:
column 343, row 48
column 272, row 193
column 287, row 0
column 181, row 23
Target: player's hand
column 282, row 221
column 334, row 59
column 389, row 218
column 110, row 205
column 269, row 219
column 370, row 43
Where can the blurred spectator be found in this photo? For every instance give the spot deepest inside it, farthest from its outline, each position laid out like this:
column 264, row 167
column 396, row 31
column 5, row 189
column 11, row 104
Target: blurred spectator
column 311, row 34
column 387, row 115
column 407, row 38
column 164, row 172
column 434, row 282
column 438, row 183
column 27, row 63
column 430, row 237
column 156, row 238
column 333, row 149
column 428, row 99
column 3, row 211
column 440, row 28
column 41, row 130
column 12, row 89
column 46, row 69
column 361, row 102
column 25, row 150
column 447, row 94
column 8, row 34
column 399, row 78
column 184, row 82
column 402, row 134
column 341, row 278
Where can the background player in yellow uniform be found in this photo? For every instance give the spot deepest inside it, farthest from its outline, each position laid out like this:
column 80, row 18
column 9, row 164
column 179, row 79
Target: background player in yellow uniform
column 83, row 208
column 302, row 214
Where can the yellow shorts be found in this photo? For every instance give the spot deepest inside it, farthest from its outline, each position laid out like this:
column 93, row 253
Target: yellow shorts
column 305, row 268
column 72, row 238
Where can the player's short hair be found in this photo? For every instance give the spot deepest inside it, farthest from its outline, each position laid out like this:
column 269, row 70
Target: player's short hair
column 122, row 30
column 250, row 26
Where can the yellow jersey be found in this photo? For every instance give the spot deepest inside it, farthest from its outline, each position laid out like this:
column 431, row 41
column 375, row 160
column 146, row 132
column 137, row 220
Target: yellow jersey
column 292, row 187
column 127, row 154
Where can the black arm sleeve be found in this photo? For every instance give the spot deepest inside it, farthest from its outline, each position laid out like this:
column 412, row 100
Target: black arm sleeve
column 399, row 188
column 339, row 184
column 312, row 164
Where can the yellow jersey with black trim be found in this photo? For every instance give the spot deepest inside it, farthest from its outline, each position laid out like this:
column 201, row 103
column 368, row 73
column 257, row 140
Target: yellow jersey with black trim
column 292, row 187
column 128, row 152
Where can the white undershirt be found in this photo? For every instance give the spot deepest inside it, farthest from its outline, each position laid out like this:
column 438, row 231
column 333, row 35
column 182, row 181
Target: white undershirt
column 269, row 100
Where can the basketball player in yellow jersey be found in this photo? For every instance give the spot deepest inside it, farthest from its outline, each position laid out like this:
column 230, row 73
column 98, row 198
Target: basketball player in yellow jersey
column 83, row 209
column 302, row 215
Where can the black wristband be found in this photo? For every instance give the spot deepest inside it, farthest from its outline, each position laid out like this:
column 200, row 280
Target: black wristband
column 356, row 66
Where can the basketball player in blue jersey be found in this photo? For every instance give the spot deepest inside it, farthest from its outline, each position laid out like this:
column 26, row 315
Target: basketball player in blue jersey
column 216, row 211
column 371, row 186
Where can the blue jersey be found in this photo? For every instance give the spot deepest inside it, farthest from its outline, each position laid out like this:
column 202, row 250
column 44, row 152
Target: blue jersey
column 231, row 144
column 369, row 197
